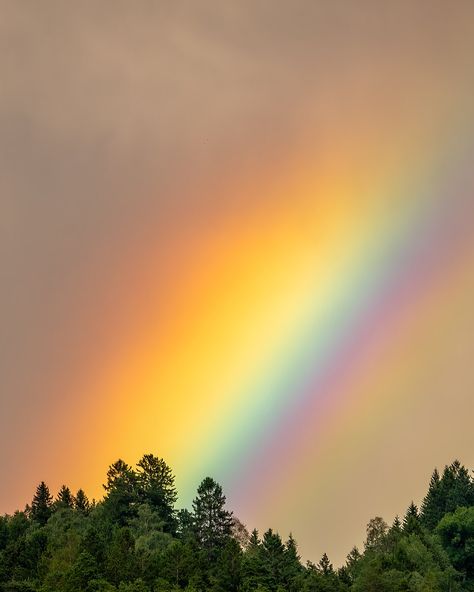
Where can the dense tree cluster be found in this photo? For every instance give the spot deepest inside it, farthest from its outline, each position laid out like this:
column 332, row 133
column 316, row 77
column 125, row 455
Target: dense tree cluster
column 135, row 540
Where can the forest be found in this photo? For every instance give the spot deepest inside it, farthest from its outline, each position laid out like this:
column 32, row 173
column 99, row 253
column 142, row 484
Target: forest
column 136, row 540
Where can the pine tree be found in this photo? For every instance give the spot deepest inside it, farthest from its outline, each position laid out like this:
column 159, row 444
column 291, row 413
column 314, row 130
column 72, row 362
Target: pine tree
column 252, row 563
column 212, row 522
column 273, row 554
column 396, row 525
column 292, row 563
column 156, row 487
column 325, row 566
column 353, row 557
column 122, row 495
column 81, row 502
column 120, row 476
column 433, row 505
column 254, row 540
column 458, row 487
column 41, row 506
column 394, row 534
column 64, row 498
column 411, row 521
column 352, row 561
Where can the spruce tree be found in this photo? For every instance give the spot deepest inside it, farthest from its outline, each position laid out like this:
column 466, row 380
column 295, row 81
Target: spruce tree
column 252, row 563
column 212, row 522
column 411, row 520
column 81, row 502
column 122, row 496
column 433, row 505
column 120, row 476
column 156, row 487
column 41, row 506
column 292, row 563
column 254, row 541
column 394, row 534
column 458, row 487
column 64, row 498
column 325, row 566
column 352, row 562
column 273, row 558
column 396, row 525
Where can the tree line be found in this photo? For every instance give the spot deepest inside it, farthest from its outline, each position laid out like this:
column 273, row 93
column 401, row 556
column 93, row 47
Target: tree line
column 136, row 540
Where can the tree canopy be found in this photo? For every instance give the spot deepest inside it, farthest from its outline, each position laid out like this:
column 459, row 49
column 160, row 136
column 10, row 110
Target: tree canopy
column 136, row 540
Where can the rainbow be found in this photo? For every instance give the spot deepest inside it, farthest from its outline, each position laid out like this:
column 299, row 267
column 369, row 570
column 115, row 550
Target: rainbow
column 283, row 346
column 280, row 337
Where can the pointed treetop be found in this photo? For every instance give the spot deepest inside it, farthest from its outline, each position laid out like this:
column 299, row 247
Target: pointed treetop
column 81, row 502
column 65, row 498
column 41, row 506
column 325, row 566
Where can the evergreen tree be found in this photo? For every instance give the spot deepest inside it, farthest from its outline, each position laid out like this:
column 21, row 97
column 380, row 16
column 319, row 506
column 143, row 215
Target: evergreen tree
column 252, row 563
column 89, row 549
column 41, row 506
column 64, row 498
column 254, row 540
column 273, row 554
column 411, row 521
column 433, row 505
column 291, row 564
column 122, row 495
column 457, row 487
column 156, row 487
column 120, row 476
column 396, row 525
column 351, row 566
column 81, row 502
column 212, row 522
column 325, row 566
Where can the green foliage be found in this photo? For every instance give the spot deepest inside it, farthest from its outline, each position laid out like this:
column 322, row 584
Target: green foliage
column 376, row 531
column 212, row 522
column 121, row 561
column 157, row 488
column 457, row 536
column 80, row 502
column 41, row 506
column 411, row 521
column 134, row 540
column 64, row 498
column 453, row 490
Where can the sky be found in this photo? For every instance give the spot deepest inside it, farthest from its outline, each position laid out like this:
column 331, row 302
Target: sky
column 240, row 236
